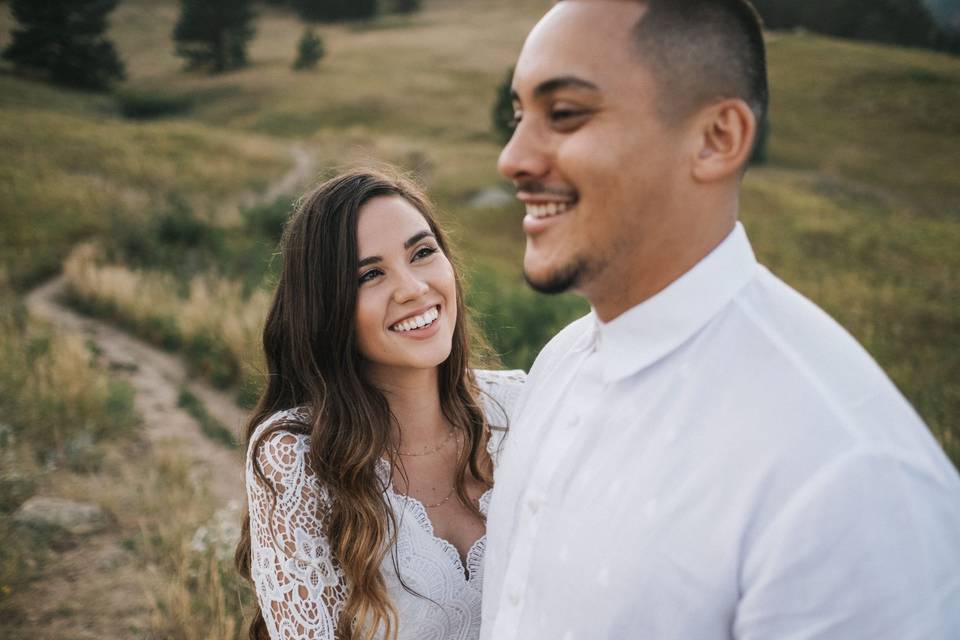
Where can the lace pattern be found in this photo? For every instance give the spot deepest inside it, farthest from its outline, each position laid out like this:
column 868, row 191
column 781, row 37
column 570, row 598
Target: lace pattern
column 300, row 589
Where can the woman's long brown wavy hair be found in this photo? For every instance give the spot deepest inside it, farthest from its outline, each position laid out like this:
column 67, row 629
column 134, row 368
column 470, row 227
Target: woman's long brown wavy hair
column 312, row 360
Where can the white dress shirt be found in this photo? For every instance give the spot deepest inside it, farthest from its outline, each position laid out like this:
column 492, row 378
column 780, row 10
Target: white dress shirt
column 720, row 461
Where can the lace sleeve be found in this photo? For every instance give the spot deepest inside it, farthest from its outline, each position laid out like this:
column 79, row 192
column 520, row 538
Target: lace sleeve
column 299, row 588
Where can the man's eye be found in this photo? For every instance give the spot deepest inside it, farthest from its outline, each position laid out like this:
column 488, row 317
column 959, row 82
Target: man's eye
column 423, row 252
column 565, row 115
column 369, row 275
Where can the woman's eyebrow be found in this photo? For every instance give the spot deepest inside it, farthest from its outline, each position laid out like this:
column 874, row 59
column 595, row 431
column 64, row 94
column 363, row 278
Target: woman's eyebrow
column 417, row 237
column 412, row 240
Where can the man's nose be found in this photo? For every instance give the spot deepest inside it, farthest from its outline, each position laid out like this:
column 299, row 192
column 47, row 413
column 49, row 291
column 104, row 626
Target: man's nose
column 525, row 156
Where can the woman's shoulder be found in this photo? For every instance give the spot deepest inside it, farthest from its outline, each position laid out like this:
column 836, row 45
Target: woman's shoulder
column 271, row 440
column 509, row 377
column 500, row 391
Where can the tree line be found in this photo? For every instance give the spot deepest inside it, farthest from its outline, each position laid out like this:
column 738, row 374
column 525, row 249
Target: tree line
column 931, row 24
column 65, row 40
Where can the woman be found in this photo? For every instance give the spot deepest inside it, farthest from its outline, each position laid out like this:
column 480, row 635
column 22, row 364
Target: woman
column 369, row 454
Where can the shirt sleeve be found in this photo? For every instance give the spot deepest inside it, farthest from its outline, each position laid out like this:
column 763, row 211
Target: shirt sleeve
column 299, row 587
column 869, row 548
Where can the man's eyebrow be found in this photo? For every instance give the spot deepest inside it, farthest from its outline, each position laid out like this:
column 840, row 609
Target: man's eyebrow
column 563, row 82
column 412, row 240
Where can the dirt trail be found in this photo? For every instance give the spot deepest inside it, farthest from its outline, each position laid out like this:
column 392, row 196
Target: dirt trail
column 96, row 590
column 157, row 378
column 300, row 174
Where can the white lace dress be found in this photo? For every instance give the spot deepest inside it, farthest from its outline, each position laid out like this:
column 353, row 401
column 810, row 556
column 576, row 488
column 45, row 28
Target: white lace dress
column 299, row 587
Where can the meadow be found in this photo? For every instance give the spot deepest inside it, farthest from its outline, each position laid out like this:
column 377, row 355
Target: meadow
column 159, row 223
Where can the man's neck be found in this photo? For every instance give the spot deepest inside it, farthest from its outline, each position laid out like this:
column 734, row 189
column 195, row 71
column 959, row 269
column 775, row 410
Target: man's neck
column 623, row 287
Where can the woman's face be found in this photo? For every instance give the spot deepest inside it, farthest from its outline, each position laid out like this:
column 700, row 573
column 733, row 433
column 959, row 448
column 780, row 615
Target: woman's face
column 407, row 298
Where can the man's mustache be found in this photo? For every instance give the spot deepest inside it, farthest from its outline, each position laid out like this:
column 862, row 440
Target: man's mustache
column 536, row 187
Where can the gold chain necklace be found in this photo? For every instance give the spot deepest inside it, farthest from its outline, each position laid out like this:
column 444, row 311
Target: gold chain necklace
column 426, row 450
column 452, row 489
column 442, row 502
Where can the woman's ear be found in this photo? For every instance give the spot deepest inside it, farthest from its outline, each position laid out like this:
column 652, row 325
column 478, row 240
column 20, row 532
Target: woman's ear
column 726, row 132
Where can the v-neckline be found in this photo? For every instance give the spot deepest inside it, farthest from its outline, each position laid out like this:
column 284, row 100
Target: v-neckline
column 466, row 566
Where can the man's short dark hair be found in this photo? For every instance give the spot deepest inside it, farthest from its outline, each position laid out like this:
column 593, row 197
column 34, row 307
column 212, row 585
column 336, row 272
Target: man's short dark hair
column 704, row 50
column 700, row 51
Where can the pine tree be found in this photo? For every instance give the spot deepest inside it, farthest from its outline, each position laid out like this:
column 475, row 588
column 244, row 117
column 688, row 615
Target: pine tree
column 334, row 10
column 502, row 112
column 309, row 50
column 64, row 39
column 213, row 34
column 406, row 6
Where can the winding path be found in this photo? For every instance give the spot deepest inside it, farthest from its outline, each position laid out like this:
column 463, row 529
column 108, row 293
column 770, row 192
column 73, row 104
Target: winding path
column 157, row 377
column 96, row 589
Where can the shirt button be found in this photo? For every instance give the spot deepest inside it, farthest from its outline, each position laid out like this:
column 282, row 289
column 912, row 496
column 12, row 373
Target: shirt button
column 534, row 505
column 515, row 599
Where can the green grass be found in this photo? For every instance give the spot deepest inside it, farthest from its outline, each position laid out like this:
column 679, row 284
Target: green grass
column 210, row 426
column 857, row 207
column 59, row 409
column 73, row 167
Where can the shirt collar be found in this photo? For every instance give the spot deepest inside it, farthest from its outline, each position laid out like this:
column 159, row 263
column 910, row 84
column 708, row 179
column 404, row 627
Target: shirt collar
column 644, row 334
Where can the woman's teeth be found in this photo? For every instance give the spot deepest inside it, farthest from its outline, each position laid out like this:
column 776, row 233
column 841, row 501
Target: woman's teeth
column 546, row 210
column 417, row 322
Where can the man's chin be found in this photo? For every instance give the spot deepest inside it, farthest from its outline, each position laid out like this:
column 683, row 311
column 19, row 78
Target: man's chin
column 558, row 280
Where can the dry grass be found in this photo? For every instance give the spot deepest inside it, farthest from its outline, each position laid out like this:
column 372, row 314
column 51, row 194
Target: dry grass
column 213, row 319
column 199, row 596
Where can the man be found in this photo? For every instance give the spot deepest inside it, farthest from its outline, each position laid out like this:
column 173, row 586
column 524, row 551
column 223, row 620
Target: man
column 706, row 455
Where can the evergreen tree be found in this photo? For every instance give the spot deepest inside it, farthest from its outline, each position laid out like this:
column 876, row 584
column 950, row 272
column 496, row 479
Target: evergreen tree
column 64, row 39
column 213, row 34
column 904, row 22
column 406, row 6
column 502, row 113
column 334, row 10
column 309, row 50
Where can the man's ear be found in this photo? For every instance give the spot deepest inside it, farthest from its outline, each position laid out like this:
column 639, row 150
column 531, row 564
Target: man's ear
column 726, row 131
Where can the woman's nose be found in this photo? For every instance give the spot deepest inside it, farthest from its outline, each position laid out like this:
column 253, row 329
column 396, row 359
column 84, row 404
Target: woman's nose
column 410, row 287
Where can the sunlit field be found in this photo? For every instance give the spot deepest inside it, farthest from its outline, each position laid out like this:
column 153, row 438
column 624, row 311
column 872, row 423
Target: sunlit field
column 167, row 227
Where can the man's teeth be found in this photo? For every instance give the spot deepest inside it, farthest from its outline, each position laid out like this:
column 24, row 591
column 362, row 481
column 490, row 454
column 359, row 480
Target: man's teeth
column 546, row 210
column 417, row 322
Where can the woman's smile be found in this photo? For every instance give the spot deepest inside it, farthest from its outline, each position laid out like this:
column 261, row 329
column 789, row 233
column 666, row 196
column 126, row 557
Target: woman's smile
column 419, row 325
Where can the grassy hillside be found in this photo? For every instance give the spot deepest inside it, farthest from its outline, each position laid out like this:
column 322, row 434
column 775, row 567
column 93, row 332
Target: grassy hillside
column 858, row 207
column 73, row 168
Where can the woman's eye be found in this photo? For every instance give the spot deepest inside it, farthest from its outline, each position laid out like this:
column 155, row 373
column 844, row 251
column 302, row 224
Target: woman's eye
column 369, row 275
column 515, row 119
column 423, row 252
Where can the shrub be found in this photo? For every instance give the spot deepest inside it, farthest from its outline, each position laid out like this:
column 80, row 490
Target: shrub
column 268, row 220
column 405, row 6
column 334, row 10
column 150, row 105
column 53, row 393
column 502, row 113
column 758, row 155
column 309, row 50
column 518, row 321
